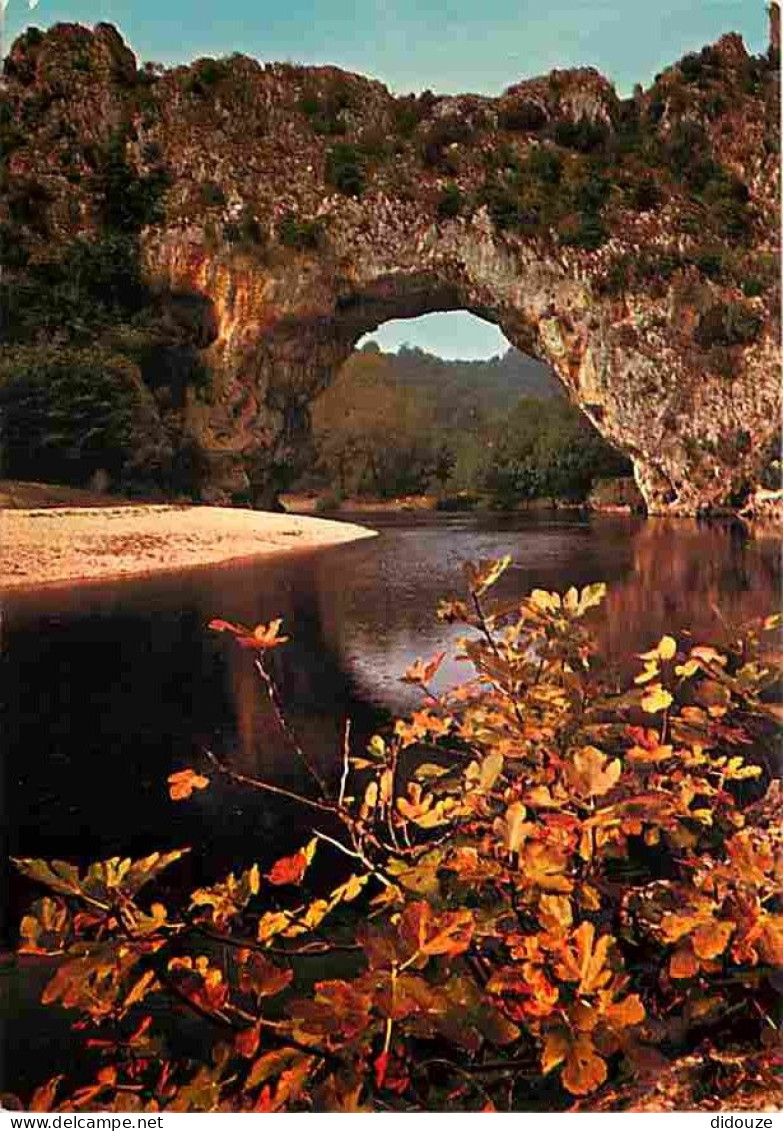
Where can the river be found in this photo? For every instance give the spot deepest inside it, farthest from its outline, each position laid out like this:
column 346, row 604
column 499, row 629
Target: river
column 108, row 688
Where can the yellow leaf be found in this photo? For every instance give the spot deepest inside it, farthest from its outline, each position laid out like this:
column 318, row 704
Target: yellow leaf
column 651, row 671
column 556, row 1048
column 554, row 912
column 667, row 648
column 543, row 601
column 584, row 962
column 591, row 774
column 656, row 699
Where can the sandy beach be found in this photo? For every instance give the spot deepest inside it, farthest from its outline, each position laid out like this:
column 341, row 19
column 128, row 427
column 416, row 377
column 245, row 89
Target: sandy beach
column 63, row 545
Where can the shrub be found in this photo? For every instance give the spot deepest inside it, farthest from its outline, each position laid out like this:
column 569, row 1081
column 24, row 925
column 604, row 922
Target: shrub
column 204, row 75
column 128, row 200
column 442, row 134
column 65, row 414
column 303, row 234
column 544, row 165
column 583, row 135
column 329, row 502
column 645, row 196
column 345, row 169
column 586, row 231
column 245, row 230
column 450, row 202
column 211, row 194
column 727, row 324
column 549, row 881
column 522, row 116
column 325, row 107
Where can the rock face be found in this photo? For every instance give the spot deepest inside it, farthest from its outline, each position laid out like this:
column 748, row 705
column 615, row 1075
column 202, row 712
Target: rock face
column 630, row 245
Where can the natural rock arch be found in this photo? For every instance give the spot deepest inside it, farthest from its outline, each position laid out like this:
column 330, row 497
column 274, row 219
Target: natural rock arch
column 619, row 241
column 283, row 333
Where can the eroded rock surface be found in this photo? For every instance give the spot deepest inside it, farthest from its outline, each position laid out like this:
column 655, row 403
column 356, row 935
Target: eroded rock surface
column 628, row 243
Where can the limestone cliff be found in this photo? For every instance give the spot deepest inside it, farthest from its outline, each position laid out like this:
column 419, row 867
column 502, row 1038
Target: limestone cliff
column 629, row 243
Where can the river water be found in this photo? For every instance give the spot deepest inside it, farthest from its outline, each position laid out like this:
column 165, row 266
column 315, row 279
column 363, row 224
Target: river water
column 106, row 689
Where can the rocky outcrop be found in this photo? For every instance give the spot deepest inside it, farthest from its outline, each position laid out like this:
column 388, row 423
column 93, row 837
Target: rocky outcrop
column 308, row 206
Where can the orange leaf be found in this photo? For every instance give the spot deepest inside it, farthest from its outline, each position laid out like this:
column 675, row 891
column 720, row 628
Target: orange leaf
column 585, row 963
column 623, row 1014
column 246, row 1042
column 683, row 963
column 584, row 1070
column 43, row 1097
column 712, row 938
column 182, row 784
column 428, row 934
column 422, row 672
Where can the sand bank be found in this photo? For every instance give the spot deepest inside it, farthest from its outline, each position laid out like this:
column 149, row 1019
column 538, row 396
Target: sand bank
column 39, row 547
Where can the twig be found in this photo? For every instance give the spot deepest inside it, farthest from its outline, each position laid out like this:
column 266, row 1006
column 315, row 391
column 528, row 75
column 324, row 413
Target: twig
column 277, row 707
column 279, row 790
column 346, row 762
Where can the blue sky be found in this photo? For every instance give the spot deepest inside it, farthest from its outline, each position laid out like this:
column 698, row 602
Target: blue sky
column 447, row 45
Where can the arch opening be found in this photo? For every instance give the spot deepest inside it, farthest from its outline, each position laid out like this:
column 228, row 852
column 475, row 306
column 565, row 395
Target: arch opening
column 442, row 409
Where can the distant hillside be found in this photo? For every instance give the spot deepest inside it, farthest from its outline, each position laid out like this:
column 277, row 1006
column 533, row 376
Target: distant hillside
column 465, row 393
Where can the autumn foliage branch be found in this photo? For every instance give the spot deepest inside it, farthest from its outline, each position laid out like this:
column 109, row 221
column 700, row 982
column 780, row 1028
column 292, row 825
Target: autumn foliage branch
column 554, row 886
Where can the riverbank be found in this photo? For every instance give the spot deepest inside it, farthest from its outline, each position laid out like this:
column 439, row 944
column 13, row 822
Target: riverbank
column 66, row 545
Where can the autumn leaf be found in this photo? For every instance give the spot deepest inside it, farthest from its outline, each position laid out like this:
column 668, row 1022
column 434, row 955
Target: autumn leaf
column 423, row 673
column 262, row 638
column 483, row 576
column 247, row 1040
column 183, row 783
column 711, row 939
column 665, row 649
column 513, row 828
column 584, row 1070
column 43, row 1097
column 683, row 963
column 591, row 774
column 263, row 978
column 555, row 912
column 625, row 1013
column 657, row 699
column 585, row 961
column 291, row 869
column 427, row 933
column 545, row 865
column 266, row 636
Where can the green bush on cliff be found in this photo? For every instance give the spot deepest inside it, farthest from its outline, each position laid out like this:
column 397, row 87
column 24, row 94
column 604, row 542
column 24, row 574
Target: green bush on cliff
column 345, row 169
column 450, row 202
column 295, row 231
column 727, row 324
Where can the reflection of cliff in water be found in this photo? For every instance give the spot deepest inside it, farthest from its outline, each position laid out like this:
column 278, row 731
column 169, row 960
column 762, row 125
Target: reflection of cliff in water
column 377, row 609
column 706, row 578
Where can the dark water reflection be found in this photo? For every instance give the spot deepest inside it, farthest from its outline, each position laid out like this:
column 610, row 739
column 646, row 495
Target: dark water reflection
column 108, row 688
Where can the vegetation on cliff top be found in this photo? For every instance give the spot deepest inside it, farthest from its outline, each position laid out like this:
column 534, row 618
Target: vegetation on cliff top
column 553, row 891
column 668, row 189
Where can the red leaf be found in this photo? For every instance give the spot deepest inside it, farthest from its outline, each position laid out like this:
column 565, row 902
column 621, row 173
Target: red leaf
column 381, row 1063
column 288, row 870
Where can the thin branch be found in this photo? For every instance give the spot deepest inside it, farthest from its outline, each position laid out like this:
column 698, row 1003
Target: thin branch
column 346, row 761
column 282, row 722
column 267, row 787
